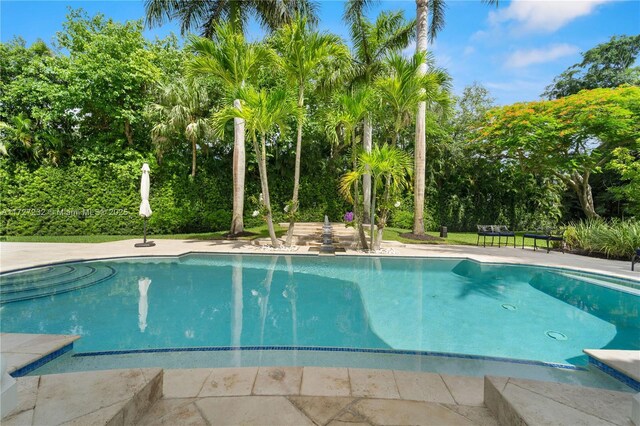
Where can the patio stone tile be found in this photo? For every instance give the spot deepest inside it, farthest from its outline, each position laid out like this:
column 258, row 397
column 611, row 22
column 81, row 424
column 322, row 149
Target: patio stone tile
column 184, row 383
column 172, row 412
column 18, row 360
column 44, row 343
column 229, row 382
column 27, row 392
column 351, row 416
column 320, row 409
column 465, row 390
column 252, row 410
column 143, row 399
column 24, row 418
column 392, row 412
column 422, row 387
column 612, row 406
column 278, row 381
column 480, row 416
column 325, row 382
column 373, row 383
column 11, row 341
column 111, row 415
column 64, row 397
column 528, row 407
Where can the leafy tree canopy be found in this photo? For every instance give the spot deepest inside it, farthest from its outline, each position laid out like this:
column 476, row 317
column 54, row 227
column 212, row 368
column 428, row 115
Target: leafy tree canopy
column 570, row 137
column 608, row 64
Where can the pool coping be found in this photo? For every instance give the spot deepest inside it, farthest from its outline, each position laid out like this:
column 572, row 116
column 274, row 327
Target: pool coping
column 172, row 248
column 24, row 352
column 615, row 364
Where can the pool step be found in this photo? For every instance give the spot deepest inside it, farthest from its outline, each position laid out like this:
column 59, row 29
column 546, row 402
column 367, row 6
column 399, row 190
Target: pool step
column 620, row 285
column 59, row 279
column 114, row 397
column 529, row 402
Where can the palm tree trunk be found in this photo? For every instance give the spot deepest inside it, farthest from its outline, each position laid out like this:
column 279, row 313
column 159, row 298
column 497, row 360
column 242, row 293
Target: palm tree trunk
column 366, row 179
column 193, row 158
column 356, row 194
column 373, row 214
column 261, row 154
column 296, row 173
column 382, row 221
column 420, row 145
column 239, row 162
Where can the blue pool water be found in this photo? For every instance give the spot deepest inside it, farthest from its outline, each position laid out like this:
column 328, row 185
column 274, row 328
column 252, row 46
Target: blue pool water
column 435, row 305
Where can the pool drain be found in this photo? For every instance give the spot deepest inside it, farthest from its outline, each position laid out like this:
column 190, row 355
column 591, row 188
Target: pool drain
column 556, row 335
column 509, row 307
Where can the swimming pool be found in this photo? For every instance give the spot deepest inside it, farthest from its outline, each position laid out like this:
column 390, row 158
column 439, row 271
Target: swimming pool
column 261, row 301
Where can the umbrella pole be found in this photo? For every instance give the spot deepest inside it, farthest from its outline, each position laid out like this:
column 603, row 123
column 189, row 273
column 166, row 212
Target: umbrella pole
column 145, row 243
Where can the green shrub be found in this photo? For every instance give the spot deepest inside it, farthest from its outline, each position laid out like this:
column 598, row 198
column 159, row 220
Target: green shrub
column 401, row 219
column 614, row 238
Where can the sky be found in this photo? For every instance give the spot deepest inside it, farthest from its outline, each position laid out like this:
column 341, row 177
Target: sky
column 515, row 50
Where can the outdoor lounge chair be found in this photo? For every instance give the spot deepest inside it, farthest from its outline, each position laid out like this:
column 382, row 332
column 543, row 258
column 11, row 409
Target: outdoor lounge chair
column 635, row 258
column 546, row 235
column 503, row 231
column 485, row 231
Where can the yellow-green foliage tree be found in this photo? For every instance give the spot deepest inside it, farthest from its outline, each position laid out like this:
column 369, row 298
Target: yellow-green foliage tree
column 570, row 138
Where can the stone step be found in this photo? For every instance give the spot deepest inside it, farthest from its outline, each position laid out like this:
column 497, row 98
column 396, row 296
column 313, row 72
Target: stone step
column 112, row 397
column 529, row 402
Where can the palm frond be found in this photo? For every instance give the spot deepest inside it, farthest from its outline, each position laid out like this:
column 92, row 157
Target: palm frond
column 437, row 9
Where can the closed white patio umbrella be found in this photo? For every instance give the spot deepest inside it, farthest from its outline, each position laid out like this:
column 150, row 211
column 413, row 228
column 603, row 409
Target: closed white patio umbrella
column 145, row 208
column 143, row 304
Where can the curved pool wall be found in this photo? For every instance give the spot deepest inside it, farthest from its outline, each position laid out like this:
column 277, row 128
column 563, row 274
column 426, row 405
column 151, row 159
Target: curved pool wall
column 386, row 305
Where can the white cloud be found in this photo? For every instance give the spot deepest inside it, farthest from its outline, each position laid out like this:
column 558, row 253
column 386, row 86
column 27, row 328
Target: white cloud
column 468, row 50
column 544, row 15
column 524, row 58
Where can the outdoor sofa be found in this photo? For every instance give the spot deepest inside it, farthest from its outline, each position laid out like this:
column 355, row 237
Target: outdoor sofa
column 635, row 258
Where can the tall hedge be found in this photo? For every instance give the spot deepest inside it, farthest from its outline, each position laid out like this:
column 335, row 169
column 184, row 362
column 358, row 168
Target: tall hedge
column 103, row 197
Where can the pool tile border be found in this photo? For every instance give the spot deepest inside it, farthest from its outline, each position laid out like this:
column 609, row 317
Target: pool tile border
column 335, row 349
column 629, row 381
column 23, row 371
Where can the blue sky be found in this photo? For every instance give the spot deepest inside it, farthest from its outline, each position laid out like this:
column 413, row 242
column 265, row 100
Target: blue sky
column 514, row 50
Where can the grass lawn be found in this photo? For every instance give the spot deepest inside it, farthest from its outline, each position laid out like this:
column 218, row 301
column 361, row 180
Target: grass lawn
column 460, row 238
column 261, row 232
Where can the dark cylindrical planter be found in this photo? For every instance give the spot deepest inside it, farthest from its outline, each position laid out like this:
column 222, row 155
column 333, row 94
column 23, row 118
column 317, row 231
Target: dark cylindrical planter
column 443, row 232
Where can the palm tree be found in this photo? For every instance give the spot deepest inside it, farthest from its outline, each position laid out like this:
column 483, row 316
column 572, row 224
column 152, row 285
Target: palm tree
column 389, row 168
column 427, row 29
column 205, row 14
column 230, row 59
column 403, row 88
column 21, row 137
column 343, row 120
column 372, row 42
column 183, row 108
column 303, row 51
column 263, row 112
